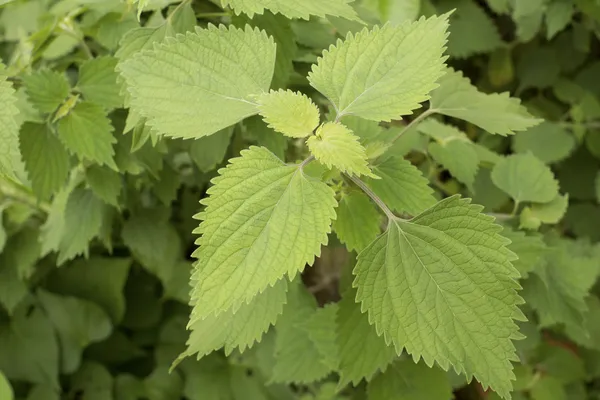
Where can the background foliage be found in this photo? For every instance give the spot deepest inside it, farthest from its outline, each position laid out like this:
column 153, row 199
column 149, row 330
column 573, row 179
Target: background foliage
column 96, row 207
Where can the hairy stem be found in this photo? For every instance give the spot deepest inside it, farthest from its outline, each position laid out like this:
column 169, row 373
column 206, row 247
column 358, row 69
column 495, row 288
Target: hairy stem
column 373, row 197
column 10, row 191
column 413, row 123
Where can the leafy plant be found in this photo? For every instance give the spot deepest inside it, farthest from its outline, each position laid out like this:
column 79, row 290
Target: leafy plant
column 397, row 200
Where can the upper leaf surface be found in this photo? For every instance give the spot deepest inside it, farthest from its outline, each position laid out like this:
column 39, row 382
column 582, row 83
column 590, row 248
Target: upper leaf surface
column 9, row 130
column 497, row 113
column 98, row 82
column 383, row 73
column 294, row 9
column 335, row 146
column 263, row 219
column 290, row 113
column 358, row 222
column 525, row 178
column 195, row 85
column 442, row 286
column 46, row 89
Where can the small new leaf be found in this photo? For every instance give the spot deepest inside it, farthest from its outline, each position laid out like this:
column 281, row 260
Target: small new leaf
column 383, row 73
column 263, row 219
column 442, row 286
column 290, row 113
column 336, row 146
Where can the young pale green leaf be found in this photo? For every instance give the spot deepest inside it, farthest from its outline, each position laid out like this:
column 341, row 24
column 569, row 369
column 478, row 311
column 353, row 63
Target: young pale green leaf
column 9, row 130
column 208, row 151
column 442, row 286
column 105, row 183
column 46, row 89
column 263, row 219
column 402, row 186
column 46, row 160
column 383, row 73
column 98, row 82
column 290, row 113
column 78, row 323
column 294, row 9
column 545, row 213
column 409, row 381
column 299, row 359
column 334, row 145
column 87, row 132
column 239, row 330
column 525, row 178
column 497, row 113
column 82, row 222
column 98, row 280
column 228, row 70
column 362, row 351
column 358, row 222
column 558, row 143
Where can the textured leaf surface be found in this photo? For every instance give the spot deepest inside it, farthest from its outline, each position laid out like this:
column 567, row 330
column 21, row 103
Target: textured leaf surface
column 497, row 113
column 87, row 132
column 442, row 286
column 46, row 160
column 105, row 183
column 46, row 89
column 409, row 381
column 240, row 329
column 98, row 82
column 263, row 219
column 459, row 158
column 9, row 130
column 190, row 105
column 336, row 146
column 294, row 9
column 358, row 222
column 290, row 113
column 362, row 351
column 525, row 178
column 402, row 186
column 384, row 73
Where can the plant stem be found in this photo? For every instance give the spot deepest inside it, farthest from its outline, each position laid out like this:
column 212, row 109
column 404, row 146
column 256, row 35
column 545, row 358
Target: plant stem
column 11, row 191
column 515, row 209
column 373, row 197
column 306, row 161
column 413, row 123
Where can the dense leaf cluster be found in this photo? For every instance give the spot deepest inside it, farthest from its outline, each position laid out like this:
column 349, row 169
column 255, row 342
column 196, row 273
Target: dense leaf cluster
column 315, row 200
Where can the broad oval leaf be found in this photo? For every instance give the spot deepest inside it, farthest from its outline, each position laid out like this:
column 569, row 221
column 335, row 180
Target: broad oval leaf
column 442, row 286
column 290, row 113
column 383, row 73
column 263, row 219
column 525, row 178
column 199, row 83
column 336, row 146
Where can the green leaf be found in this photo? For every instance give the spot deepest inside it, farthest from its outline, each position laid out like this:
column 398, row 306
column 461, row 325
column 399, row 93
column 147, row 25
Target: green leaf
column 558, row 15
column 29, row 348
column 298, row 359
column 87, row 132
column 529, row 249
column 394, row 11
column 402, row 186
column 263, row 219
column 46, row 160
column 154, row 242
column 384, row 73
column 6, row 391
column 468, row 18
column 239, row 330
column 548, row 213
column 409, row 381
column 497, row 113
column 290, row 113
column 83, row 220
column 208, row 151
column 458, row 157
column 13, row 288
column 442, row 286
column 10, row 157
column 362, row 351
column 98, row 82
column 105, row 183
column 47, row 89
column 358, row 222
column 321, row 328
column 179, row 104
column 78, row 323
column 98, row 280
column 525, row 178
column 92, row 379
column 294, row 9
column 257, row 131
column 558, row 143
column 334, row 145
